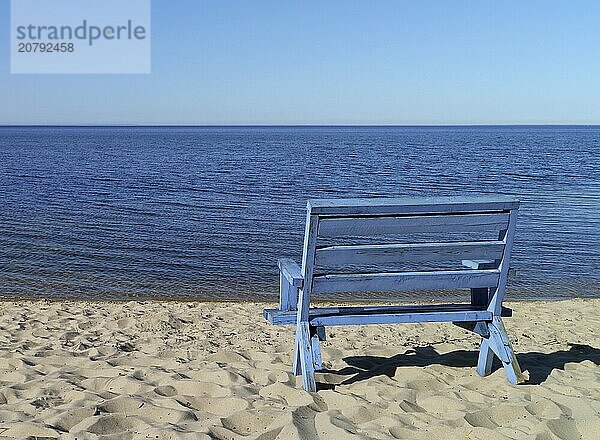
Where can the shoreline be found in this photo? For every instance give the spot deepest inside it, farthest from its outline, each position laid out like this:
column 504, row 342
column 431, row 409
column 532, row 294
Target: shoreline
column 206, row 370
column 274, row 300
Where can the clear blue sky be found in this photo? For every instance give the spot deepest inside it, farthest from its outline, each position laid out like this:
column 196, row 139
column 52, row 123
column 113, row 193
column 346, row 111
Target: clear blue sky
column 336, row 62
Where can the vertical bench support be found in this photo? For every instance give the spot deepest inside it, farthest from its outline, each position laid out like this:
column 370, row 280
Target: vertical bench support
column 288, row 294
column 305, row 347
column 498, row 343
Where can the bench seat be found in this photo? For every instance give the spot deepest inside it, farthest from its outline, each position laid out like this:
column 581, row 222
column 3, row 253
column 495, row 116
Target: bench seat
column 327, row 316
column 323, row 316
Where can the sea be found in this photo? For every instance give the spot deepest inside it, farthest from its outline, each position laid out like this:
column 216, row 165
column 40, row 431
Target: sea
column 203, row 213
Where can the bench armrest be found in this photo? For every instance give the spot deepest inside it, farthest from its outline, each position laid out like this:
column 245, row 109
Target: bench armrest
column 487, row 264
column 291, row 271
column 480, row 264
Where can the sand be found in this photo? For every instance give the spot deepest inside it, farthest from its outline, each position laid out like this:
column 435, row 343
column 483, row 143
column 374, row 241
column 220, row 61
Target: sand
column 169, row 370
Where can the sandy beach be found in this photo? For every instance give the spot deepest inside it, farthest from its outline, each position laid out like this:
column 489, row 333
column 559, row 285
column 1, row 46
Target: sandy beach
column 178, row 370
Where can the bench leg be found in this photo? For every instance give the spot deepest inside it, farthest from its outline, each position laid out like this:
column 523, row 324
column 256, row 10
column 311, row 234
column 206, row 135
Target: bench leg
column 486, row 357
column 303, row 357
column 480, row 297
column 317, row 334
column 499, row 344
column 296, row 368
column 316, row 352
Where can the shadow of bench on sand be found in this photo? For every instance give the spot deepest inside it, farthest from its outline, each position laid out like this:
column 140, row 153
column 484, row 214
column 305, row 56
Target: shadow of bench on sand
column 539, row 365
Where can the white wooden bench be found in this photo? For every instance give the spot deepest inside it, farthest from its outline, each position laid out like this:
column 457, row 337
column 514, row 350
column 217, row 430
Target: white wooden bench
column 333, row 262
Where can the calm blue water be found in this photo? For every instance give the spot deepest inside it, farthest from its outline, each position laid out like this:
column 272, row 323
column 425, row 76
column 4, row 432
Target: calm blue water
column 117, row 213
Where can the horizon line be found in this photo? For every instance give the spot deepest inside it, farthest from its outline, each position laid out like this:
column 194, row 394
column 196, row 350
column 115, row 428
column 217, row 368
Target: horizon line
column 285, row 125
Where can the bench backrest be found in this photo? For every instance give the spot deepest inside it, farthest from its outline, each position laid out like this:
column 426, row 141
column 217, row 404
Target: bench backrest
column 389, row 245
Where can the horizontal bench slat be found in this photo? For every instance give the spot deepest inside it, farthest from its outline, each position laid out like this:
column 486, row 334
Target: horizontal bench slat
column 397, row 318
column 409, row 253
column 394, row 282
column 406, row 205
column 369, row 226
column 278, row 317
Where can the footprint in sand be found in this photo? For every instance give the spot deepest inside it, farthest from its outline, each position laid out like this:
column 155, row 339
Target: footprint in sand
column 545, row 408
column 195, row 388
column 220, row 377
column 219, row 406
column 564, row 428
column 67, row 419
column 166, row 391
column 108, row 424
column 146, row 410
column 119, row 385
column 291, row 395
column 247, row 422
column 499, row 416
